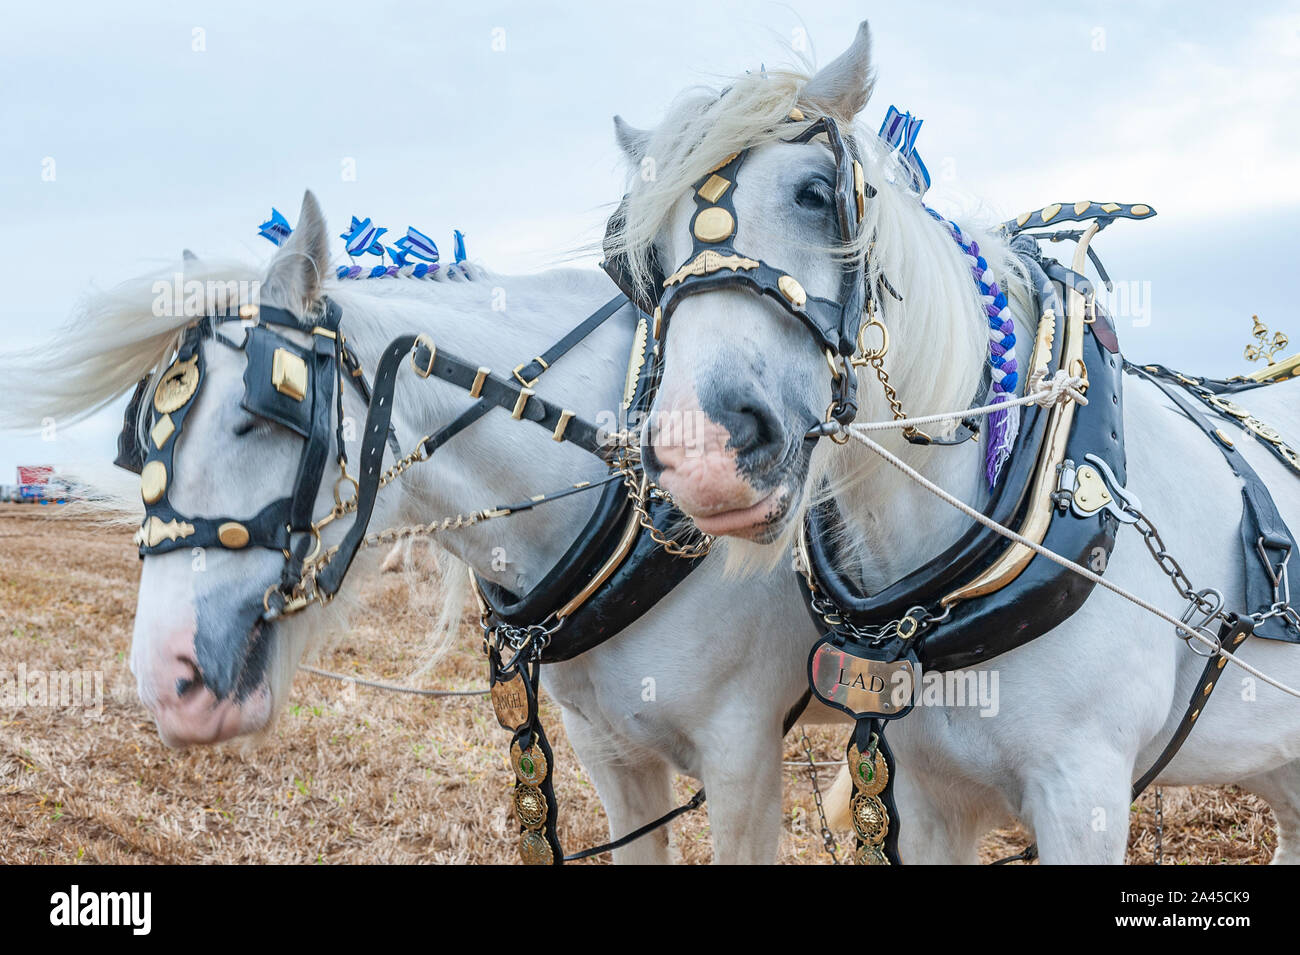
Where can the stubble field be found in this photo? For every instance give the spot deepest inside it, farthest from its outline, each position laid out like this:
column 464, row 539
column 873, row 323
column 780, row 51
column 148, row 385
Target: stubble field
column 349, row 774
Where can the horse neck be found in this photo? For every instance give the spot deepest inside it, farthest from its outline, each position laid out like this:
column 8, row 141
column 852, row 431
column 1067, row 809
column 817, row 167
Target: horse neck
column 939, row 329
column 498, row 322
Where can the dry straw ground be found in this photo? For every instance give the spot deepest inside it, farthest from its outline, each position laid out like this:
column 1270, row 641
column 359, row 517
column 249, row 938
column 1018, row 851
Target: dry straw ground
column 346, row 776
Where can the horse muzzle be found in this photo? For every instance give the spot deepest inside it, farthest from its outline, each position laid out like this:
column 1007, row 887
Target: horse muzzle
column 726, row 460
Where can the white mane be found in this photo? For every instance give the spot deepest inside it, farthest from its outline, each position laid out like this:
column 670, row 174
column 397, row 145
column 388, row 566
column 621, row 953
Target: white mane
column 939, row 333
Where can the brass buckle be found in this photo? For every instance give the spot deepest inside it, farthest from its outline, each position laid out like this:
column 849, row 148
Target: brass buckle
column 520, row 367
column 433, row 353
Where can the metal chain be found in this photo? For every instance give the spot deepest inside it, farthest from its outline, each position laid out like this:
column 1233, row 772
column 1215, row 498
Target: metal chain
column 1172, row 569
column 639, row 490
column 828, row 837
column 875, row 358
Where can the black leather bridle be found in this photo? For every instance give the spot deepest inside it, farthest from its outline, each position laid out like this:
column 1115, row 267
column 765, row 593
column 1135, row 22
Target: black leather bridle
column 284, row 383
column 715, row 263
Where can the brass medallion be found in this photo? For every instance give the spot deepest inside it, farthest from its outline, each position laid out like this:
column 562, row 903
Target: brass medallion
column 870, row 819
column 794, row 294
column 177, row 386
column 870, row 855
column 529, row 764
column 530, row 807
column 714, row 224
column 233, row 534
column 153, row 481
column 1265, row 431
column 1230, row 407
column 870, row 777
column 534, row 849
column 510, row 700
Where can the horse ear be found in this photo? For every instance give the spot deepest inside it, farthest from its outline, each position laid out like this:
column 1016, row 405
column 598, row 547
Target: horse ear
column 631, row 140
column 843, row 86
column 294, row 278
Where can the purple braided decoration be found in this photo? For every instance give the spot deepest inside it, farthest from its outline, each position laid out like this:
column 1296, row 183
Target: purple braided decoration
column 1003, row 425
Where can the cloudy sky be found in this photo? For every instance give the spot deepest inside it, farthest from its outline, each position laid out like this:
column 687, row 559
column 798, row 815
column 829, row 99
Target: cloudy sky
column 132, row 132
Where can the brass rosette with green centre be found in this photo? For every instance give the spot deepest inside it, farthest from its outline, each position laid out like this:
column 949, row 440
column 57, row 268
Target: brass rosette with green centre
column 529, row 764
column 534, row 849
column 870, row 818
column 869, row 770
column 530, row 806
column 870, row 855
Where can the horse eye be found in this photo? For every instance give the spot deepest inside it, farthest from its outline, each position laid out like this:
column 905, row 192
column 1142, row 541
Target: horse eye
column 248, row 424
column 815, row 195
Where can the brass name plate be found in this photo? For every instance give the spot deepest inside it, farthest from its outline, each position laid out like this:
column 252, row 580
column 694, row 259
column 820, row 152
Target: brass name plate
column 510, row 700
column 859, row 686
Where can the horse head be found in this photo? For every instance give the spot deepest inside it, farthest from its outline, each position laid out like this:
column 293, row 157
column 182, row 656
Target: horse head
column 808, row 238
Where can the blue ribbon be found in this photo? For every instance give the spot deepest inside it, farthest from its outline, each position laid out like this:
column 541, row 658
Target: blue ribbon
column 459, row 238
column 275, row 229
column 899, row 131
column 415, row 244
column 362, row 237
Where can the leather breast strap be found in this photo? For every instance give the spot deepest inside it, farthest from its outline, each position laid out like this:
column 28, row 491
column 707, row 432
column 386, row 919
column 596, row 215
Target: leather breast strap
column 494, row 392
column 1266, row 541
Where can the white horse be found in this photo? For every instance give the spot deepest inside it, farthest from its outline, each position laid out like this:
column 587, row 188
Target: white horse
column 726, row 657
column 1083, row 710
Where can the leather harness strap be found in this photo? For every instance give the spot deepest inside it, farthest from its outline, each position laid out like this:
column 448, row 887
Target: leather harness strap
column 1266, row 541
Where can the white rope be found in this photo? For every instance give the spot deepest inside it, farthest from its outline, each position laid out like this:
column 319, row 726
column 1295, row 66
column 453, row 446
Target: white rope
column 1062, row 394
column 1043, row 391
column 391, row 687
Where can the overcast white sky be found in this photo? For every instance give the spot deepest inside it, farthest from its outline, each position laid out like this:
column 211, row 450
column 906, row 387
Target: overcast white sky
column 1191, row 107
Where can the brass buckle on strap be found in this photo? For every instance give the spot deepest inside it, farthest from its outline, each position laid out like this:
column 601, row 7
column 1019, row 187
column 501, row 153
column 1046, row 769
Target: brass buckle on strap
column 425, row 340
column 520, row 367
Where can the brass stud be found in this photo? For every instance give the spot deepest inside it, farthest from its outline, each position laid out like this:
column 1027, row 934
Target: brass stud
column 480, row 376
column 859, row 189
column 1208, row 688
column 796, row 115
column 714, row 188
column 659, row 321
column 233, row 534
column 1081, row 206
column 1240, row 637
column 565, row 417
column 1023, row 218
column 1218, row 433
column 153, row 481
column 1049, row 212
column 789, row 286
column 289, row 374
column 162, row 429
column 714, row 224
column 521, row 402
column 1110, row 207
column 1140, row 209
column 248, row 311
column 1195, row 713
column 1223, row 662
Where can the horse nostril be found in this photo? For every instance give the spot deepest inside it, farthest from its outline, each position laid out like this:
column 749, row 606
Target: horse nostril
column 755, row 431
column 194, row 683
